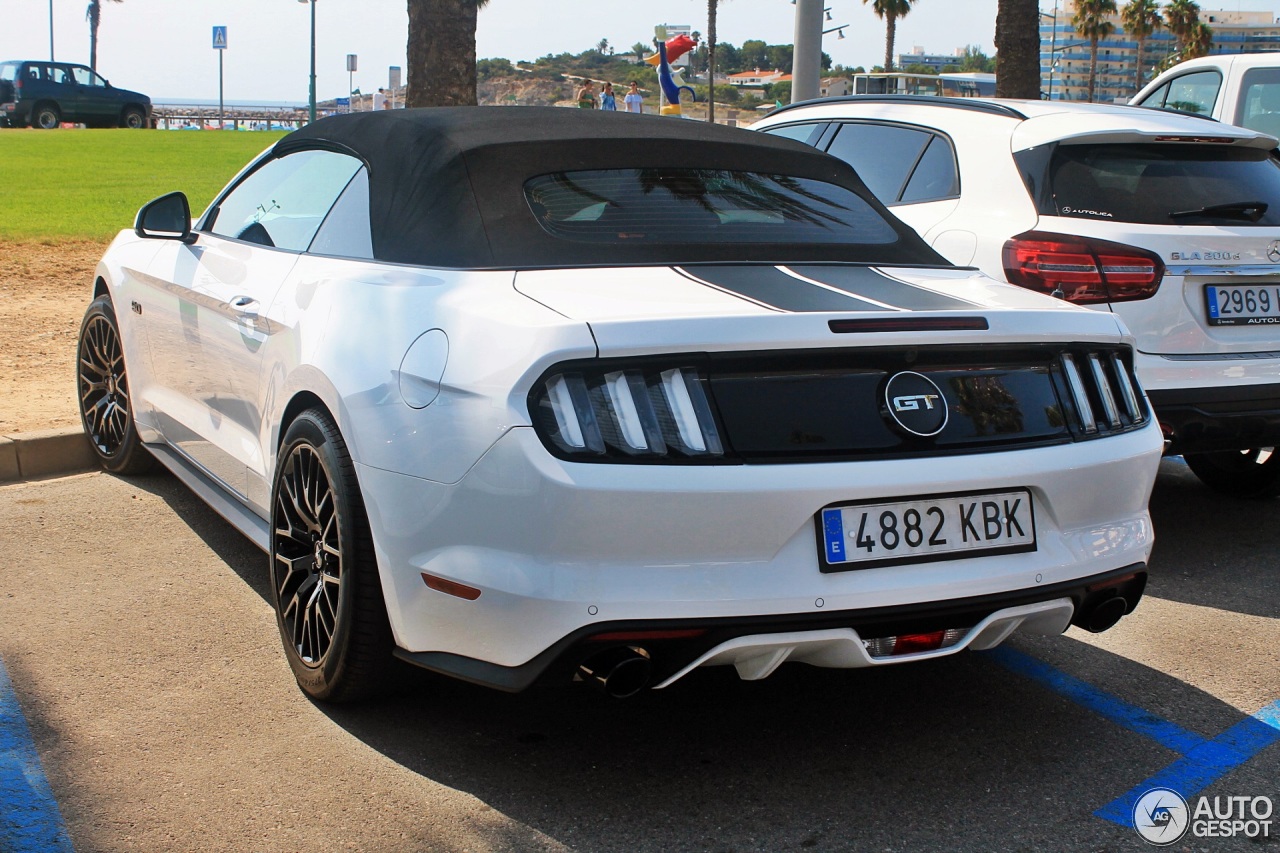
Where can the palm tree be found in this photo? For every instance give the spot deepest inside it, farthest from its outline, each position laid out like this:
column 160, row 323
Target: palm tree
column 442, row 53
column 1199, row 40
column 602, row 46
column 1018, row 49
column 711, row 60
column 641, row 50
column 1091, row 22
column 1180, row 16
column 1141, row 19
column 890, row 11
column 93, row 15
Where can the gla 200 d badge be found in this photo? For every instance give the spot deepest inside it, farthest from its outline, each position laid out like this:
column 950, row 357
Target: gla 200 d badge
column 915, row 403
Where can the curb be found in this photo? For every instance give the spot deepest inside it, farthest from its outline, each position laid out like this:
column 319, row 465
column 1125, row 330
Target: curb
column 45, row 453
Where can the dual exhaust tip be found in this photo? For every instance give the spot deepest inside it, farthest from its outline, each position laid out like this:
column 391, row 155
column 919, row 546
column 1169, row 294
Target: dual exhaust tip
column 620, row 672
column 623, row 671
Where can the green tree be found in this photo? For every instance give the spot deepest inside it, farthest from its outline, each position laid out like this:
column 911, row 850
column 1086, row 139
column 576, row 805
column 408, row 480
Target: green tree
column 754, row 54
column 1017, row 63
column 442, row 53
column 93, row 14
column 1091, row 22
column 1141, row 18
column 890, row 11
column 487, row 69
column 781, row 57
column 1182, row 18
column 603, row 46
column 641, row 50
column 1199, row 40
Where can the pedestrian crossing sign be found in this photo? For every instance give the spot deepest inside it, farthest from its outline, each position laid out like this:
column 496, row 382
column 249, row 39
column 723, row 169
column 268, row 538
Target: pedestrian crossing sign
column 219, row 38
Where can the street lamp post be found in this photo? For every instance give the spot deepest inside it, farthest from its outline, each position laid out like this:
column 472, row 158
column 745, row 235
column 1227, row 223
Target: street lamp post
column 313, row 57
column 51, row 30
column 1053, row 43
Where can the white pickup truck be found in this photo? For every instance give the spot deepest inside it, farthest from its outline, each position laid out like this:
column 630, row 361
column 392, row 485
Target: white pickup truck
column 1241, row 89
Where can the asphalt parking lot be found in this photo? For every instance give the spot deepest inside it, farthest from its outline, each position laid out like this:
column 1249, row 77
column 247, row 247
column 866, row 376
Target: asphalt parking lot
column 143, row 655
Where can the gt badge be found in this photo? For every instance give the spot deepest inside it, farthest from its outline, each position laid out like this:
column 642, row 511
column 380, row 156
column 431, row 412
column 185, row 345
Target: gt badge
column 915, row 403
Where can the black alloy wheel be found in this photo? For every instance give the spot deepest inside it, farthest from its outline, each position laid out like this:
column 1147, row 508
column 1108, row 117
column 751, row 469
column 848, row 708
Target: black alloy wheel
column 1252, row 473
column 133, row 118
column 324, row 577
column 46, row 117
column 103, row 386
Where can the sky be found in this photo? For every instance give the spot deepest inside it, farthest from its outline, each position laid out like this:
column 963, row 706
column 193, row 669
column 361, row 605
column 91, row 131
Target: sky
column 164, row 47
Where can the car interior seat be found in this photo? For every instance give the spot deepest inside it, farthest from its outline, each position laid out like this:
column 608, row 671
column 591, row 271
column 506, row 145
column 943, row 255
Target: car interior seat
column 1268, row 120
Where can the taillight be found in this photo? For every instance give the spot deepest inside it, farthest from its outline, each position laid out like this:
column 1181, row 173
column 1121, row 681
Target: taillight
column 637, row 414
column 17, row 83
column 1081, row 270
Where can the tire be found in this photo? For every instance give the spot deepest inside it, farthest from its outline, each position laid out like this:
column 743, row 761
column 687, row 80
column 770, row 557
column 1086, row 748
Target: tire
column 1251, row 473
column 46, row 116
column 133, row 118
column 324, row 576
column 106, row 408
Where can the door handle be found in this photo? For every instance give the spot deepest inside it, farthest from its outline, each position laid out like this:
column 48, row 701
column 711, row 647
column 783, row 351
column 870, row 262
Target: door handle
column 247, row 306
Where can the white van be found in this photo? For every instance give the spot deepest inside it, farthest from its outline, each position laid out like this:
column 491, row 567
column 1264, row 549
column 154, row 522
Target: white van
column 1241, row 89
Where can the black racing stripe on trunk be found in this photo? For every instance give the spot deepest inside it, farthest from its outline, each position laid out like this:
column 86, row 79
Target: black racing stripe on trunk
column 770, row 286
column 873, row 284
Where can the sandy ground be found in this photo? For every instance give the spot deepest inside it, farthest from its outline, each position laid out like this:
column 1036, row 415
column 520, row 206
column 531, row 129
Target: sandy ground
column 44, row 290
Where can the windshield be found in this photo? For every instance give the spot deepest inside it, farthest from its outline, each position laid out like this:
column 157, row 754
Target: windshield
column 8, row 71
column 669, row 205
column 1164, row 184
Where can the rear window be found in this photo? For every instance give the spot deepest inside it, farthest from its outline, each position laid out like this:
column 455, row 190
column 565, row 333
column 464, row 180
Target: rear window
column 1164, row 184
column 667, row 205
column 8, row 71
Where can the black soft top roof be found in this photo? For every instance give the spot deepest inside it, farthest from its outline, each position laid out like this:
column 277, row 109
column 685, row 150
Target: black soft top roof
column 446, row 184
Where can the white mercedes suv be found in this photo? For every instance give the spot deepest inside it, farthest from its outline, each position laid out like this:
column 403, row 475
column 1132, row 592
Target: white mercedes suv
column 1169, row 222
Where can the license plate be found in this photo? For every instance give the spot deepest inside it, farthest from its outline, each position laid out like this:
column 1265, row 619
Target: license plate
column 1232, row 305
column 926, row 529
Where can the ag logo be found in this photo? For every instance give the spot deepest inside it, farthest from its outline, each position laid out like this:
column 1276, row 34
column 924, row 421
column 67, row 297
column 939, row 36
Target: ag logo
column 915, row 403
column 1273, row 252
column 1161, row 816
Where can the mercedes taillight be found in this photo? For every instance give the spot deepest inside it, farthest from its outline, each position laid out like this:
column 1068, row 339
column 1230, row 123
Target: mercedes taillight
column 1080, row 269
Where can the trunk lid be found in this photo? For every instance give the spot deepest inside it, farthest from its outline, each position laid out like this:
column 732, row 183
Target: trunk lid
column 723, row 308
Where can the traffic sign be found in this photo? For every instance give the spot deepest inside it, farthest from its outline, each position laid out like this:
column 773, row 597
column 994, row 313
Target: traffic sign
column 219, row 38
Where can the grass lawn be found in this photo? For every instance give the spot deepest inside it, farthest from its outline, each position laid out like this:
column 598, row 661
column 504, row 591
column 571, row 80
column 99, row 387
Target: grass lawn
column 88, row 184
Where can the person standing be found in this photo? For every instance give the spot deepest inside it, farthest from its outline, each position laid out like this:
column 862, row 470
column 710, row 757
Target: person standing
column 634, row 100
column 587, row 96
column 379, row 100
column 607, row 99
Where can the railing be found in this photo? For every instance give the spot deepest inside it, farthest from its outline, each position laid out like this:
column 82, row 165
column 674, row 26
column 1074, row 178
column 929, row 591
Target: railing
column 206, row 117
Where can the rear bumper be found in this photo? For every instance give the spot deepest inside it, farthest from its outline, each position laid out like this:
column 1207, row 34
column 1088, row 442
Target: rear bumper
column 556, row 550
column 1228, row 418
column 757, row 645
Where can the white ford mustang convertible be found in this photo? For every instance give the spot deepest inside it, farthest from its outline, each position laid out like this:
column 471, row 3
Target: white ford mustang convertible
column 523, row 394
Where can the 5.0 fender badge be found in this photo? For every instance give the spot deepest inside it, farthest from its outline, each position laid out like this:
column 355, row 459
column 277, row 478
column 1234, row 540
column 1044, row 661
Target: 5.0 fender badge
column 915, row 403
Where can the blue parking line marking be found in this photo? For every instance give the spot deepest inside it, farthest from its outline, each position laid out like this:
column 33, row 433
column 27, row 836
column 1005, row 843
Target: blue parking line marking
column 1117, row 710
column 1205, row 765
column 1203, row 762
column 30, row 821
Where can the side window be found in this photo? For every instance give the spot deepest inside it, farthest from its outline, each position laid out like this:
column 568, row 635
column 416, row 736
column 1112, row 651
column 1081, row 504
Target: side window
column 882, row 155
column 935, row 175
column 1156, row 99
column 1259, row 104
column 85, row 77
column 1193, row 93
column 284, row 201
column 806, row 133
column 345, row 231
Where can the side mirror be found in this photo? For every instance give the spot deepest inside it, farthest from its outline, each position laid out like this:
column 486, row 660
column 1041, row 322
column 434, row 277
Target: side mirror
column 165, row 218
